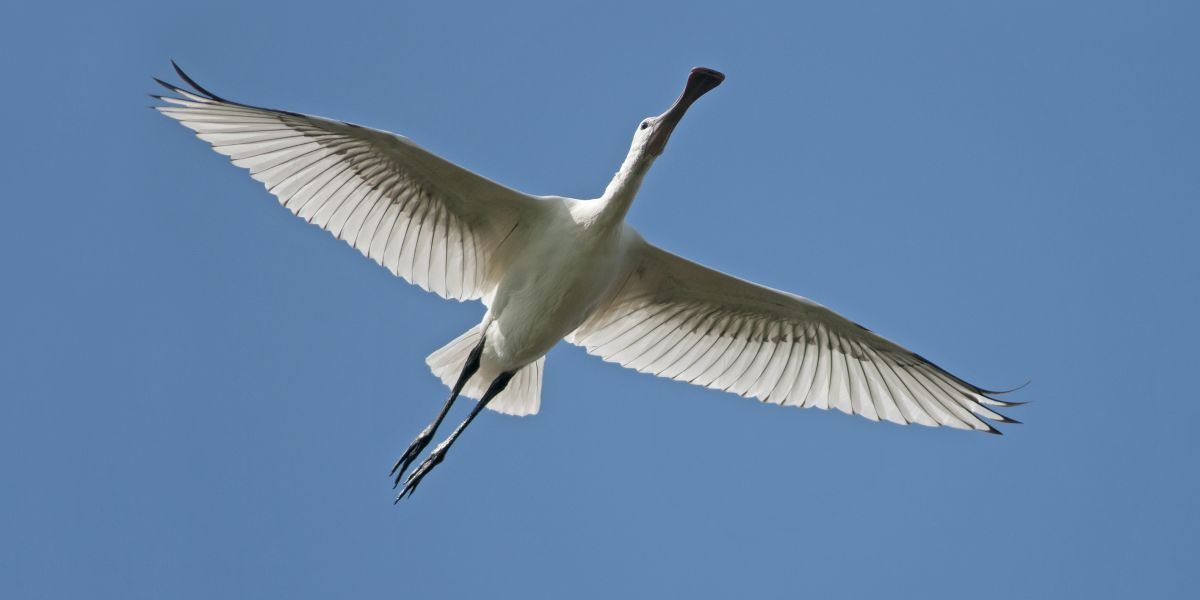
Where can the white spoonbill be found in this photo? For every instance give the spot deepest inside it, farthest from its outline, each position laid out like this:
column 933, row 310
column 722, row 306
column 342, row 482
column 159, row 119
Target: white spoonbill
column 549, row 268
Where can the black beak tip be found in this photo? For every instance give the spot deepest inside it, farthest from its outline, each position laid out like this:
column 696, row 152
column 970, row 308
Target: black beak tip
column 712, row 78
column 701, row 80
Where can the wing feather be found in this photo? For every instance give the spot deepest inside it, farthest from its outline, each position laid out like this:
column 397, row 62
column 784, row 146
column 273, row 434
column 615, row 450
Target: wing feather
column 680, row 320
column 421, row 217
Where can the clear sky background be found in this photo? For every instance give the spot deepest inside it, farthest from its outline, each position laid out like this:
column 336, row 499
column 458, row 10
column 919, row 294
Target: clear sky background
column 200, row 395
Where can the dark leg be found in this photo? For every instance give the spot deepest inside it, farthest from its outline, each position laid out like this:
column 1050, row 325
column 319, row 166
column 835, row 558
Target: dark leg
column 439, row 452
column 426, row 435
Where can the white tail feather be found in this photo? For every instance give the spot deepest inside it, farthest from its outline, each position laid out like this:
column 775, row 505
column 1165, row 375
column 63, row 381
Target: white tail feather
column 522, row 397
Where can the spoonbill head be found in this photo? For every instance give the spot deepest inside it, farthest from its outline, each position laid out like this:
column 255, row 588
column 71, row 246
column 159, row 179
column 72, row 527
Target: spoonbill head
column 658, row 129
column 649, row 142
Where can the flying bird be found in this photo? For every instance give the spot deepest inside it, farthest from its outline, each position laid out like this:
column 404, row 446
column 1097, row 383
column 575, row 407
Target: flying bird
column 549, row 268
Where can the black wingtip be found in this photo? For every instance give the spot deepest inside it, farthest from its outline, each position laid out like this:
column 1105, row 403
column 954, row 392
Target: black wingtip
column 169, row 87
column 973, row 387
column 1002, row 392
column 195, row 86
column 203, row 92
column 1006, row 403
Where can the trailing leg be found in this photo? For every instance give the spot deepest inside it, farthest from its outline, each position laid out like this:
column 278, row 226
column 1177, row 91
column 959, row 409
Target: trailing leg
column 423, row 438
column 439, row 452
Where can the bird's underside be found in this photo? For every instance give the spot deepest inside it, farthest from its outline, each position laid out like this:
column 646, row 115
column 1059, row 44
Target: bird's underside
column 457, row 234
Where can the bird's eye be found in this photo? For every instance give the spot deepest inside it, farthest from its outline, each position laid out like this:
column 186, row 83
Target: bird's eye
column 644, row 125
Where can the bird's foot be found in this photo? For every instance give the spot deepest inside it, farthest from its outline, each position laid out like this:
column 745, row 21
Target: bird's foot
column 414, row 450
column 423, row 469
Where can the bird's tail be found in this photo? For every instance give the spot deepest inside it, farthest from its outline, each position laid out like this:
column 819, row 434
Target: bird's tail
column 522, row 397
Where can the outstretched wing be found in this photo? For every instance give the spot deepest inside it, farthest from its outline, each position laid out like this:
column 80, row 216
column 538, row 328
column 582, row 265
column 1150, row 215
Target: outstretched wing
column 678, row 319
column 425, row 219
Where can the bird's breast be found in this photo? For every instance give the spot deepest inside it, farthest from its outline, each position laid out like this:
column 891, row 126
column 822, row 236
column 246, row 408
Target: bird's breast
column 548, row 290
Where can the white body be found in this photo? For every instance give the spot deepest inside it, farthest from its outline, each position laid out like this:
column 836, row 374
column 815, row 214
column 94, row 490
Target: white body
column 566, row 263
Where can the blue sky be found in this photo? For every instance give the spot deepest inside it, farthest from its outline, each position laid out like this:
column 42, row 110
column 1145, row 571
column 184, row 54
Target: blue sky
column 202, row 395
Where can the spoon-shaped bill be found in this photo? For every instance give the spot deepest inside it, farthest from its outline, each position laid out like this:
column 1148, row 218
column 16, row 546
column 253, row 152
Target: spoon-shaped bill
column 700, row 82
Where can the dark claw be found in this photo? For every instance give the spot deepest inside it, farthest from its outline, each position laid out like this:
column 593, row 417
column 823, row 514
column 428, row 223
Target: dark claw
column 410, row 485
column 414, row 450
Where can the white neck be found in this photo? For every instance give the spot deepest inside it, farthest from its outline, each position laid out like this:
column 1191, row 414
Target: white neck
column 619, row 194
